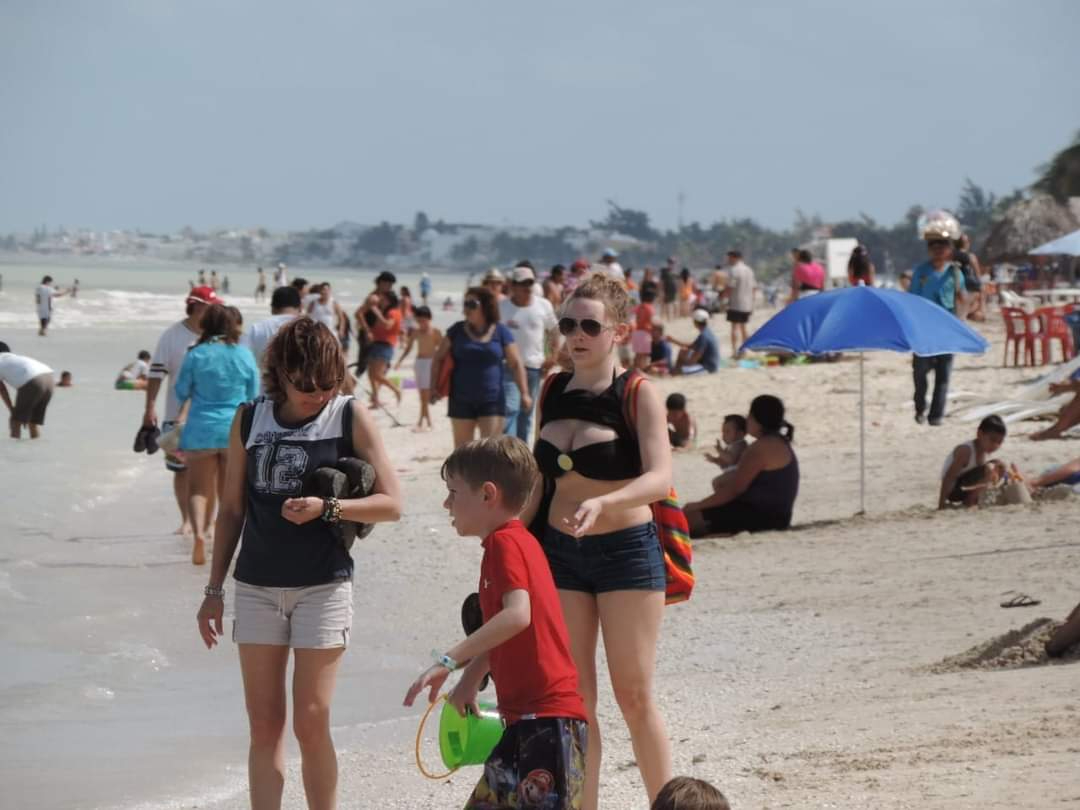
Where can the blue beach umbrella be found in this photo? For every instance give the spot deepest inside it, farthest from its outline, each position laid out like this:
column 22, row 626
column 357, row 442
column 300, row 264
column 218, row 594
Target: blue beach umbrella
column 866, row 319
column 1068, row 245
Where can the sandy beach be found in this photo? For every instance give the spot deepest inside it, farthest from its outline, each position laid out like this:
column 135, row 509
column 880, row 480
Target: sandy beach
column 806, row 671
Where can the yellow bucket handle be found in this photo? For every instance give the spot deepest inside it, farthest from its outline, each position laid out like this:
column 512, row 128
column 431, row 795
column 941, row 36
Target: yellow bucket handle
column 419, row 735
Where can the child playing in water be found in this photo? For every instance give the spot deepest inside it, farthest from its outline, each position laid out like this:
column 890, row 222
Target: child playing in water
column 967, row 470
column 132, row 377
column 426, row 338
column 540, row 759
column 682, row 428
column 733, row 434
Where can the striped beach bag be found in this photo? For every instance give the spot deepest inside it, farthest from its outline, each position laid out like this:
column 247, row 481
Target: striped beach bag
column 670, row 520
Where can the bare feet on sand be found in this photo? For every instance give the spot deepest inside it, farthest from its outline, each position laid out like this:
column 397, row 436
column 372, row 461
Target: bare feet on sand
column 185, row 528
column 198, row 553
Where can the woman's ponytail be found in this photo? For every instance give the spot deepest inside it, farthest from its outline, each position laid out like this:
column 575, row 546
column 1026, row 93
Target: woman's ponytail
column 768, row 411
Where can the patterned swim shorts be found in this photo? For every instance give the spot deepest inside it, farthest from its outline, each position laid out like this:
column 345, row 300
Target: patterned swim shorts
column 537, row 763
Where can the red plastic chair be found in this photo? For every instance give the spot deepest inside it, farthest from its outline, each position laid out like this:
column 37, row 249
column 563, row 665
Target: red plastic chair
column 1020, row 326
column 1053, row 326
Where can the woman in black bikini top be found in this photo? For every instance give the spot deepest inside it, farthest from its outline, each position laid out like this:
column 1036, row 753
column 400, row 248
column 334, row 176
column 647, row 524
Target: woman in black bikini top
column 594, row 521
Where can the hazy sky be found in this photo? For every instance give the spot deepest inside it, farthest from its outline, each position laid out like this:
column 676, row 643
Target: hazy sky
column 157, row 114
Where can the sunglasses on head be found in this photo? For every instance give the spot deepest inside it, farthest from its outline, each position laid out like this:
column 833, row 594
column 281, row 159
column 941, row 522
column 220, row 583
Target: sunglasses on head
column 591, row 327
column 306, row 387
column 471, row 303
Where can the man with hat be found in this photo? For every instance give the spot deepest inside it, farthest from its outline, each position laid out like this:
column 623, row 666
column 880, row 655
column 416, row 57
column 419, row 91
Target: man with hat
column 531, row 319
column 941, row 281
column 167, row 359
column 610, row 266
column 703, row 354
column 496, row 282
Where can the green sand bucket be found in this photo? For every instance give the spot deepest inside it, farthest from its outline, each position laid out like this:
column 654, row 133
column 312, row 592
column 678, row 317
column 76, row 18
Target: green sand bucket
column 468, row 740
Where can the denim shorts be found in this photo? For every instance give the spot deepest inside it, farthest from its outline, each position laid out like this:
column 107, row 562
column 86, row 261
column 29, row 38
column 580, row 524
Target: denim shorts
column 380, row 351
column 624, row 560
column 463, row 409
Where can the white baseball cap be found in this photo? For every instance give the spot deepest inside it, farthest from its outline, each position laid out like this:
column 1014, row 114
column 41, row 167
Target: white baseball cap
column 700, row 316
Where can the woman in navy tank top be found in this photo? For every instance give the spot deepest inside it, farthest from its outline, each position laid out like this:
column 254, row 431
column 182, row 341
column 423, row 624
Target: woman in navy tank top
column 293, row 576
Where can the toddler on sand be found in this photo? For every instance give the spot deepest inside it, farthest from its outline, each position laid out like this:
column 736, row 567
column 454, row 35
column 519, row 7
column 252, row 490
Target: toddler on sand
column 682, row 429
column 730, row 450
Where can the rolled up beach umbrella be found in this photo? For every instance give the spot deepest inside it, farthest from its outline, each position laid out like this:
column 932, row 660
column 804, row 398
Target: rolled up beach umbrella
column 866, row 319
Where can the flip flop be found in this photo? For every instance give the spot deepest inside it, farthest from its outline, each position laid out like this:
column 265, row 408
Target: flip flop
column 1020, row 600
column 152, row 440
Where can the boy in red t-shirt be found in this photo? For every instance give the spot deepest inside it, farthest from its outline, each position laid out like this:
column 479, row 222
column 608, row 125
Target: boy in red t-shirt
column 540, row 759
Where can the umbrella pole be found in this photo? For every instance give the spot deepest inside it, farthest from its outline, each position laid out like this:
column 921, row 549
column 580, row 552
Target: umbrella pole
column 862, row 436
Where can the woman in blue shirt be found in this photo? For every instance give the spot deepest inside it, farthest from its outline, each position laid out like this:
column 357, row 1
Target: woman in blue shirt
column 482, row 350
column 217, row 375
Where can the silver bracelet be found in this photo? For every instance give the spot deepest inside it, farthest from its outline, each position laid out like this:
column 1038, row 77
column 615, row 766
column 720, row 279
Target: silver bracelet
column 210, row 590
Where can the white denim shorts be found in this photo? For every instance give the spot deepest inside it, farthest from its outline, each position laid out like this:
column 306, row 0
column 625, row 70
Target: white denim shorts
column 314, row 618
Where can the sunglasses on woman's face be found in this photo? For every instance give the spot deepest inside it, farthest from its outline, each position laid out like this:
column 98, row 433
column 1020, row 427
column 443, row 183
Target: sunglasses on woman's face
column 938, row 243
column 592, row 328
column 471, row 303
column 306, row 387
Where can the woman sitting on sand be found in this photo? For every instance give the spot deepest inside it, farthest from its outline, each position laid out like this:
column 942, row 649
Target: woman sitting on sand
column 482, row 351
column 596, row 526
column 216, row 376
column 759, row 494
column 294, row 574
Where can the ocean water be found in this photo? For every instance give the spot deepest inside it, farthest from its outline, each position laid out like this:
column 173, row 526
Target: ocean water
column 107, row 696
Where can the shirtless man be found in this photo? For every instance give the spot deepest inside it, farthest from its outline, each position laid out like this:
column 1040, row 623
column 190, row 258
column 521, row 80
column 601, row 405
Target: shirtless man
column 426, row 338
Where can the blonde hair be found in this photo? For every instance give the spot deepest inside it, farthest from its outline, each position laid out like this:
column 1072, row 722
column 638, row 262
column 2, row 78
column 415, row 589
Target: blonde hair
column 505, row 461
column 687, row 793
column 611, row 293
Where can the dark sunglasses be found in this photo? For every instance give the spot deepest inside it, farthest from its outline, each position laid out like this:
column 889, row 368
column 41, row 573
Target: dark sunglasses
column 471, row 303
column 311, row 387
column 938, row 243
column 590, row 327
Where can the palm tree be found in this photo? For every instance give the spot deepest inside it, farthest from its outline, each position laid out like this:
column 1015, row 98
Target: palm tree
column 1061, row 176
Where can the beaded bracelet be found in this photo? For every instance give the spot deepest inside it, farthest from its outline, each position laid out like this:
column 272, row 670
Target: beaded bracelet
column 331, row 510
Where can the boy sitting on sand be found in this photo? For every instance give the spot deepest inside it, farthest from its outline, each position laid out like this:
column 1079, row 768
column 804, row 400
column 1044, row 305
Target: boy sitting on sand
column 730, row 450
column 967, row 471
column 426, row 338
column 523, row 643
column 682, row 429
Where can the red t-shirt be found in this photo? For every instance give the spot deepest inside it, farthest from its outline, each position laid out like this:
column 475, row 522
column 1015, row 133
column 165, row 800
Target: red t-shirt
column 644, row 313
column 534, row 673
column 388, row 334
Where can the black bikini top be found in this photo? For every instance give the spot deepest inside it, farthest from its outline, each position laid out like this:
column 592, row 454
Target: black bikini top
column 613, row 460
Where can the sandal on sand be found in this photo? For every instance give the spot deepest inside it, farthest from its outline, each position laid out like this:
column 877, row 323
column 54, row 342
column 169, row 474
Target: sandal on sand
column 1020, row 600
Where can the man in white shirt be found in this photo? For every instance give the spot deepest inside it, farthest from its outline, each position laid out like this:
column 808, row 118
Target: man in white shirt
column 531, row 319
column 33, row 384
column 284, row 306
column 740, row 295
column 43, row 297
column 609, row 265
column 167, row 359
